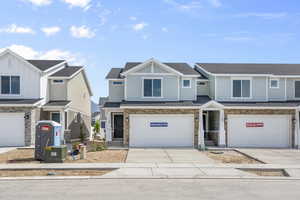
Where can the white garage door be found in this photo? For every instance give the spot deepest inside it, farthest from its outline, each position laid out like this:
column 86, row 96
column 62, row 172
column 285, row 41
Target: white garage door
column 12, row 129
column 259, row 131
column 161, row 130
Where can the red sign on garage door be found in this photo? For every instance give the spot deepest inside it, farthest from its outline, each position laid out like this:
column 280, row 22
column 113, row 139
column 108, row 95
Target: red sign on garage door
column 254, row 124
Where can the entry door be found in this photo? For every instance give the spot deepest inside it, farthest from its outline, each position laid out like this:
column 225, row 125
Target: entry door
column 118, row 126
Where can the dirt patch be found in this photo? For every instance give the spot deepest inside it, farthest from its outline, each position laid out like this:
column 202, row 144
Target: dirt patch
column 232, row 157
column 266, row 172
column 45, row 172
column 27, row 156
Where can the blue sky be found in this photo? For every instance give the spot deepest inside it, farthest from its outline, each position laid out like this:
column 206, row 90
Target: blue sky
column 101, row 34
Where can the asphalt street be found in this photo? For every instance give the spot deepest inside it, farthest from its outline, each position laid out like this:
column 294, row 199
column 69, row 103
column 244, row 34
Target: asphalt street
column 133, row 189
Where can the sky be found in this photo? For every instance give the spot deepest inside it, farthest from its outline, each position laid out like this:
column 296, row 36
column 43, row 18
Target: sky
column 101, row 34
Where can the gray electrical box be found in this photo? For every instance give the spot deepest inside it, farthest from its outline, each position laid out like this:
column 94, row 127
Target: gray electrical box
column 48, row 134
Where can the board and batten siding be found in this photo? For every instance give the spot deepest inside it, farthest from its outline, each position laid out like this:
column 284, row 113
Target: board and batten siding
column 277, row 94
column 203, row 89
column 29, row 77
column 224, row 89
column 116, row 92
column 188, row 93
column 58, row 91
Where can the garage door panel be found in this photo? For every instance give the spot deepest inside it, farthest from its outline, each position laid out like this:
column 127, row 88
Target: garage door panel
column 275, row 131
column 12, row 129
column 178, row 132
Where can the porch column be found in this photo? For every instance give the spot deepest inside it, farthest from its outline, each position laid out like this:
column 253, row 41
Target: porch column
column 201, row 144
column 62, row 120
column 296, row 130
column 221, row 139
column 108, row 132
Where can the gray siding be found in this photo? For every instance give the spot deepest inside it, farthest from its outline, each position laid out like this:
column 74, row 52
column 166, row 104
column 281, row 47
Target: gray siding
column 224, row 87
column 58, row 91
column 116, row 92
column 135, row 88
column 277, row 94
column 203, row 89
column 188, row 93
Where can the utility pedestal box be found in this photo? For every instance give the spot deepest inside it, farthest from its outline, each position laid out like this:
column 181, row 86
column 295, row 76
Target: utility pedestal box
column 55, row 154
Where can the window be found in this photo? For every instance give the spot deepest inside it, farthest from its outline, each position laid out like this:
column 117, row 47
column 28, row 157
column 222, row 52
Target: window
column 201, row 83
column 102, row 125
column 297, row 89
column 241, row 88
column 55, row 116
column 10, row 85
column 274, row 83
column 186, row 83
column 117, row 82
column 56, row 81
column 152, row 87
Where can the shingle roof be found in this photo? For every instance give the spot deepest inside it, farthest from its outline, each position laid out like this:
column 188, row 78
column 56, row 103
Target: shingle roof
column 67, row 71
column 183, row 68
column 247, row 68
column 45, row 64
column 18, row 101
column 57, row 103
column 114, row 73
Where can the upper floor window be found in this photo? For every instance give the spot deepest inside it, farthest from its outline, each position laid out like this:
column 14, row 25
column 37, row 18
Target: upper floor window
column 57, row 81
column 117, row 82
column 186, row 83
column 199, row 83
column 274, row 83
column 152, row 88
column 10, row 85
column 241, row 88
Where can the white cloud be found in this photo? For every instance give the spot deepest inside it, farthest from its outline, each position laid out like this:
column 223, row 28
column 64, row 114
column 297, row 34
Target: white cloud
column 103, row 16
column 49, row 31
column 184, row 6
column 238, row 38
column 39, row 2
column 13, row 28
column 30, row 53
column 264, row 15
column 132, row 18
column 215, row 3
column 140, row 26
column 164, row 29
column 82, row 32
column 85, row 4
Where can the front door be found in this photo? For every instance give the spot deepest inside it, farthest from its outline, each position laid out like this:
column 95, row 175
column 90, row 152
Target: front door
column 118, row 126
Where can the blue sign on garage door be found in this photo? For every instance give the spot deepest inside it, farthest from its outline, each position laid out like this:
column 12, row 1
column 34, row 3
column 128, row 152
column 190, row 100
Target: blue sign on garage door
column 158, row 124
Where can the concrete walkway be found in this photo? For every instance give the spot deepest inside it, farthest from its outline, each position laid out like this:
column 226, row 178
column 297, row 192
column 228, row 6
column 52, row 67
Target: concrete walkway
column 274, row 156
column 161, row 155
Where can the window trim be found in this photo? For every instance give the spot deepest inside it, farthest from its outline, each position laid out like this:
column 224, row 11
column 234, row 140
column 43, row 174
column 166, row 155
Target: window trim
column 241, row 79
column 274, row 79
column 186, row 79
column 10, row 85
column 152, row 78
column 57, row 83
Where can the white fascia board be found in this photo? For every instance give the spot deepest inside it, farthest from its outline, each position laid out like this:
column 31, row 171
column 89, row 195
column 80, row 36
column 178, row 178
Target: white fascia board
column 115, row 79
column 55, row 66
column 212, row 103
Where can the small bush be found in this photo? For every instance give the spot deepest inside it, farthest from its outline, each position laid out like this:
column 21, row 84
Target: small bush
column 101, row 147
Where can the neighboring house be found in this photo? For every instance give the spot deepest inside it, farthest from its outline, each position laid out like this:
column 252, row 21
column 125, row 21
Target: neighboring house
column 154, row 104
column 33, row 90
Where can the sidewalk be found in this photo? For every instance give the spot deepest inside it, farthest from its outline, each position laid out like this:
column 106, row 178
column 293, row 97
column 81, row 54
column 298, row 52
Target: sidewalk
column 163, row 170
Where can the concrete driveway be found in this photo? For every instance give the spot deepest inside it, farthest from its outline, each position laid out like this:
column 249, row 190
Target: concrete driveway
column 161, row 155
column 274, row 156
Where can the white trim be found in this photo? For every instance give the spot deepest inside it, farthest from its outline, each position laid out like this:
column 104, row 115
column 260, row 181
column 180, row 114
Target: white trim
column 152, row 78
column 159, row 107
column 285, row 92
column 267, row 89
column 55, row 66
column 186, row 79
column 158, row 74
column 125, row 88
column 115, row 79
column 212, row 103
column 258, row 107
column 274, row 79
column 135, row 68
column 241, row 79
column 178, row 94
column 215, row 96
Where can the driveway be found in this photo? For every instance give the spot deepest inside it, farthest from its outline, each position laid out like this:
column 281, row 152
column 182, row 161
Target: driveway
column 274, row 156
column 161, row 155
